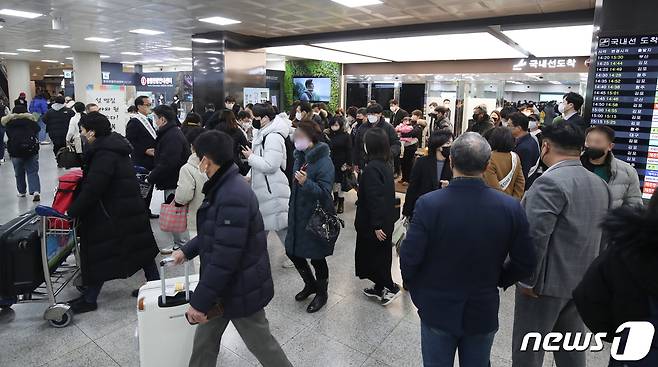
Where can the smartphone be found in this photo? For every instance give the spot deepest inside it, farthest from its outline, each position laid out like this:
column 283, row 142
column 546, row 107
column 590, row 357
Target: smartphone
column 303, row 168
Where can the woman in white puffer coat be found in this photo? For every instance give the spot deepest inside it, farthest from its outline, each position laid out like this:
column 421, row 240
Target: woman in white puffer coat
column 267, row 162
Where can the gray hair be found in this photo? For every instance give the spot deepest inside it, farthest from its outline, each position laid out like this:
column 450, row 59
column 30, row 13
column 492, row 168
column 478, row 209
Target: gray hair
column 470, row 154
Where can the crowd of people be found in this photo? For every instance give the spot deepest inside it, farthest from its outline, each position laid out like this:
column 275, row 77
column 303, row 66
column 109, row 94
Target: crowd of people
column 517, row 200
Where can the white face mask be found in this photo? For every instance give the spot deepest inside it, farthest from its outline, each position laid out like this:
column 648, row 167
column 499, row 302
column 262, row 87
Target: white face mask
column 372, row 119
column 201, row 170
column 298, row 116
column 560, row 107
column 532, row 125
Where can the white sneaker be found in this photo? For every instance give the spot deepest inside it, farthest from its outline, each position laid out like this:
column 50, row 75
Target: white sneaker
column 2, row 161
column 45, row 143
column 287, row 264
column 21, row 195
column 390, row 296
column 37, row 197
column 167, row 251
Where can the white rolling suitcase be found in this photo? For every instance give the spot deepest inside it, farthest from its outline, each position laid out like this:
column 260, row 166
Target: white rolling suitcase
column 165, row 336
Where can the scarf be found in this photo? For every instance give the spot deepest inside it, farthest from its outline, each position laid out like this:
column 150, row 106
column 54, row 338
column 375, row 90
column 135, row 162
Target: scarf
column 147, row 125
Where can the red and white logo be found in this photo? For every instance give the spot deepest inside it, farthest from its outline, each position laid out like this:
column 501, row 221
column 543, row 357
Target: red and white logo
column 142, row 80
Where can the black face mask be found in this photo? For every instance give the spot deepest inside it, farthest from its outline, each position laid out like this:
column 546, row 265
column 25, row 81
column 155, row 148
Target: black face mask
column 594, row 153
column 445, row 151
column 256, row 124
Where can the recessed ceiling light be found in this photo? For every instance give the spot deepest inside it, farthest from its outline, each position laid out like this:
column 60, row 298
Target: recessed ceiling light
column 1, row 26
column 19, row 13
column 128, row 62
column 215, row 52
column 148, row 32
column 27, row 50
column 9, row 53
column 204, row 40
column 220, row 20
column 178, row 48
column 152, row 61
column 99, row 39
column 104, row 56
column 131, row 53
column 357, row 3
column 56, row 46
column 580, row 40
column 172, row 59
column 69, row 58
column 52, row 61
column 186, row 58
column 554, row 82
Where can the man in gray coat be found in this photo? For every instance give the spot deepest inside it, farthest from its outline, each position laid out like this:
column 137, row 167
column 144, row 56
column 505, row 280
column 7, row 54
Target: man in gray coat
column 621, row 177
column 564, row 207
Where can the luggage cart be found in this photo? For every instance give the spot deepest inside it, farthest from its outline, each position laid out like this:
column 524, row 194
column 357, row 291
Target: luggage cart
column 142, row 175
column 58, row 241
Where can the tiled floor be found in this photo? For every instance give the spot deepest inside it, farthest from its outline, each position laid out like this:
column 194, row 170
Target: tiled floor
column 350, row 331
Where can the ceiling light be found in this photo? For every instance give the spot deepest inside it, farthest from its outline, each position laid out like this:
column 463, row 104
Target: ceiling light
column 27, row 50
column 148, row 32
column 69, row 58
column 19, row 13
column 172, row 59
column 316, row 53
column 178, row 48
column 129, row 62
column 99, row 39
column 52, row 76
column 357, row 3
column 56, row 46
column 514, row 82
column 204, row 40
column 52, row 61
column 149, row 61
column 220, row 20
column 9, row 53
column 554, row 82
column 1, row 26
column 215, row 52
column 104, row 56
column 131, row 53
column 464, row 46
column 186, row 58
column 580, row 40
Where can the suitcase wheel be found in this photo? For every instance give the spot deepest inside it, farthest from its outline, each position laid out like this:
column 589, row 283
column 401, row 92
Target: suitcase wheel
column 64, row 320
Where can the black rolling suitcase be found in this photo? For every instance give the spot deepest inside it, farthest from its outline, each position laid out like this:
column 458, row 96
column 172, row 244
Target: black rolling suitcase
column 21, row 269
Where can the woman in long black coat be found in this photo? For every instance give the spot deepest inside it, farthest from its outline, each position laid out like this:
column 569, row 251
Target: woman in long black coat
column 375, row 217
column 425, row 175
column 229, row 125
column 115, row 233
column 340, row 143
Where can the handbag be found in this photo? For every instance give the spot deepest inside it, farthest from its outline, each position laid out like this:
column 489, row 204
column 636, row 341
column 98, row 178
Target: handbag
column 349, row 181
column 399, row 233
column 67, row 157
column 325, row 224
column 173, row 218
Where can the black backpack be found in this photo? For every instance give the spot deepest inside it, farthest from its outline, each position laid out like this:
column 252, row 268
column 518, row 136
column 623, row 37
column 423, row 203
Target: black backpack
column 22, row 142
column 290, row 157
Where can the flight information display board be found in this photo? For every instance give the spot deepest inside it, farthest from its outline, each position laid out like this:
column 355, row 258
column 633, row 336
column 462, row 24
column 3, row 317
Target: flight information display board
column 625, row 97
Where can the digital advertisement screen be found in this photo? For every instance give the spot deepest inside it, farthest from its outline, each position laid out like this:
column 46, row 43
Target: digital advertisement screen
column 308, row 89
column 625, row 98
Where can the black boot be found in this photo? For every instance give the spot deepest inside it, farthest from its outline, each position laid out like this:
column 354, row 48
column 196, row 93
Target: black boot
column 310, row 286
column 341, row 206
column 320, row 298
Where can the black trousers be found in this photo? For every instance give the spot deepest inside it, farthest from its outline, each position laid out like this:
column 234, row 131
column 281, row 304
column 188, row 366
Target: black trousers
column 59, row 142
column 320, row 266
column 396, row 164
column 407, row 162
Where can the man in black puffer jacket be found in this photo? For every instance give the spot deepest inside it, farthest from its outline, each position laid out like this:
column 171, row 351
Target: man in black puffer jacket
column 57, row 123
column 171, row 152
column 235, row 278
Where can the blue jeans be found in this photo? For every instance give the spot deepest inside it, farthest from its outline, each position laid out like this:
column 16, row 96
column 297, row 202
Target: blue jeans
column 42, row 133
column 439, row 348
column 27, row 167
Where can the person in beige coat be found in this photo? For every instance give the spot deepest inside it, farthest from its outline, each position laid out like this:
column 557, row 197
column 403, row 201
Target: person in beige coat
column 504, row 171
column 190, row 184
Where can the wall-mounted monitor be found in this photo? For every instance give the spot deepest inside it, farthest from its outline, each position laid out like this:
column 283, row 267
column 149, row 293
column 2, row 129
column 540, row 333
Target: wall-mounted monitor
column 311, row 89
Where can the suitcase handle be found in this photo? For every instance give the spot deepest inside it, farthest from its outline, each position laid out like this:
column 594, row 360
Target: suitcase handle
column 169, row 261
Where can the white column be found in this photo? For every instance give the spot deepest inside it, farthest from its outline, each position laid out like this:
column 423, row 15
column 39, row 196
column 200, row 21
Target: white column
column 18, row 78
column 86, row 70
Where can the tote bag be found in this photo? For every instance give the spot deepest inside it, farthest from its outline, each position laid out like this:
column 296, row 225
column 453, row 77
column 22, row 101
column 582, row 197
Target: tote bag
column 173, row 218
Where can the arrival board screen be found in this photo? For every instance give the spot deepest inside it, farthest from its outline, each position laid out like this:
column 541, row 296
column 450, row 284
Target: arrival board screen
column 625, row 97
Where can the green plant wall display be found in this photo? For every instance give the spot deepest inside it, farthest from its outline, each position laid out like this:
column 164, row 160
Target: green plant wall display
column 312, row 68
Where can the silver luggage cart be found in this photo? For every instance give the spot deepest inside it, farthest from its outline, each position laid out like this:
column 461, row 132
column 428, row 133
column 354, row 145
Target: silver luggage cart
column 58, row 241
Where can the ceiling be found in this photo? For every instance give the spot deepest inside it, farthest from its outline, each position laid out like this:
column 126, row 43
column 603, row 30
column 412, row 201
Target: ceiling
column 178, row 19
